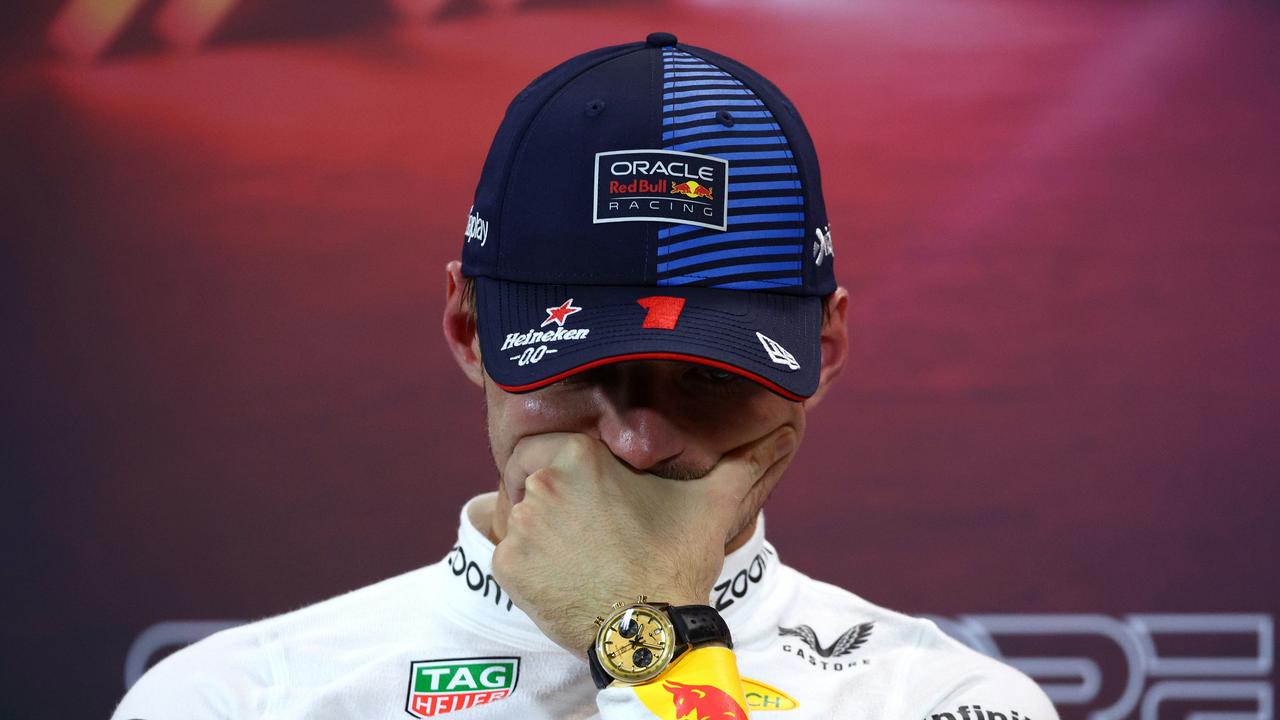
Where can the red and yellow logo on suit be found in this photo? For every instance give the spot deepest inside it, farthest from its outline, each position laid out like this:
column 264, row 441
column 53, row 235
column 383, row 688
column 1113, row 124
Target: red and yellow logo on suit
column 703, row 702
column 705, row 685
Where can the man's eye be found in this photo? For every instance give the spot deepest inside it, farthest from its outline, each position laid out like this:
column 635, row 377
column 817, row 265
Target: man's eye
column 714, row 376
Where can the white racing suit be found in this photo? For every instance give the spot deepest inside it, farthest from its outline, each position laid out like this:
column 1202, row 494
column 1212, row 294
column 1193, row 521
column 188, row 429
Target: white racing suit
column 445, row 640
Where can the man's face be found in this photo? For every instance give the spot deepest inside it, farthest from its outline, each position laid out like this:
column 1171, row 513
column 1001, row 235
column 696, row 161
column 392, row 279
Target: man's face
column 671, row 419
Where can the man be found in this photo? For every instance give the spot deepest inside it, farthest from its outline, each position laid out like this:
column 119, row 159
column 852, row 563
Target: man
column 646, row 300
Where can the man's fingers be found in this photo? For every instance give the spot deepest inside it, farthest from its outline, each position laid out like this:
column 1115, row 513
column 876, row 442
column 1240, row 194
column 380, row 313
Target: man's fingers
column 575, row 456
column 736, row 472
column 742, row 467
column 531, row 453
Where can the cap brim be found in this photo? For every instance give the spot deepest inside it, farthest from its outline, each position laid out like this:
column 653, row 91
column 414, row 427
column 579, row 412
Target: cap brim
column 772, row 339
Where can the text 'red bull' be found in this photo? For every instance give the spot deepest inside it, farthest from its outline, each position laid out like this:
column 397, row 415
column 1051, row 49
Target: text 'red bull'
column 638, row 186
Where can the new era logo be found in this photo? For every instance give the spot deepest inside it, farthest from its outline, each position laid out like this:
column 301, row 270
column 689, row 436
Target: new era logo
column 822, row 246
column 777, row 353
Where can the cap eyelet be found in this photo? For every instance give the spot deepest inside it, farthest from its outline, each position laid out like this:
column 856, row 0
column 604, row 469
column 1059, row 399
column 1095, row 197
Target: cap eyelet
column 725, row 118
column 595, row 107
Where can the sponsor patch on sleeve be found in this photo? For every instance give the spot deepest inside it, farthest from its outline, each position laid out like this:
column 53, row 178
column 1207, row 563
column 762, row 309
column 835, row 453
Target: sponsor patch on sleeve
column 704, row 683
column 762, row 697
column 661, row 186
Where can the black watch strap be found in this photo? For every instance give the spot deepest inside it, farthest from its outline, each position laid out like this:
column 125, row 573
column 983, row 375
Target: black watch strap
column 698, row 625
column 601, row 678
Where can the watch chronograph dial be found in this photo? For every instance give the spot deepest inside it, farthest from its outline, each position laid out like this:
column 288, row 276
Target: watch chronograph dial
column 636, row 643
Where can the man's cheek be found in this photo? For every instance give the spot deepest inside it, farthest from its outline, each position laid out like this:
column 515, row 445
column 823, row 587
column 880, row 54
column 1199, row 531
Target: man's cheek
column 544, row 412
column 738, row 423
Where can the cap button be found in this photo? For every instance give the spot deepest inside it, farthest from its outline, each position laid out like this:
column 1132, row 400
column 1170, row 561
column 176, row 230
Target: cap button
column 661, row 39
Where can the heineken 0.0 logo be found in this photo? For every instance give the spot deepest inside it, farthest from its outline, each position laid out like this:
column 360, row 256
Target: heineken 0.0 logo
column 441, row 686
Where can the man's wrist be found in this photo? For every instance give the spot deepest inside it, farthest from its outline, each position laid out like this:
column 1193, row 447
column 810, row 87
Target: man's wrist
column 638, row 641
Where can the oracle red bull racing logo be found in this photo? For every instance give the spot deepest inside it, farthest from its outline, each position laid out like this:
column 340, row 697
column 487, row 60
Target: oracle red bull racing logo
column 661, row 186
column 703, row 702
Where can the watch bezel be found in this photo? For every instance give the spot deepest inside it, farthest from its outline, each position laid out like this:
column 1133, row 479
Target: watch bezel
column 659, row 664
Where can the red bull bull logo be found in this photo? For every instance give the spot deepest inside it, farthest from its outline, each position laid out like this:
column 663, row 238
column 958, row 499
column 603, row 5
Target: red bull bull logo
column 703, row 702
column 691, row 189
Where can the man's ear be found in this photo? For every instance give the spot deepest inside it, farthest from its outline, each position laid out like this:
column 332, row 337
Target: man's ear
column 460, row 324
column 835, row 344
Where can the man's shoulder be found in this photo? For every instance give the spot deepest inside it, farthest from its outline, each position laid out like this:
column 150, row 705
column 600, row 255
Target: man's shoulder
column 232, row 673
column 947, row 680
column 225, row 675
column 840, row 609
column 939, row 678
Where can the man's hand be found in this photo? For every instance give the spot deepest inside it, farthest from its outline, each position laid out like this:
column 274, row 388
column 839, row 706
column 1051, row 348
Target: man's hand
column 591, row 531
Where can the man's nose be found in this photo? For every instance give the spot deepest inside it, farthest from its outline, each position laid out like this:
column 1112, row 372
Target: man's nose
column 643, row 437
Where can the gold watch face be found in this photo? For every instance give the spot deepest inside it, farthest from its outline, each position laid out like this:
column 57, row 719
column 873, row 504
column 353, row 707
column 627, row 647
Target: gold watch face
column 636, row 643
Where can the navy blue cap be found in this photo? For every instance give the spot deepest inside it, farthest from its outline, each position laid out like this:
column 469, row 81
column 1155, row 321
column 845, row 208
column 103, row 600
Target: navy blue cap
column 650, row 201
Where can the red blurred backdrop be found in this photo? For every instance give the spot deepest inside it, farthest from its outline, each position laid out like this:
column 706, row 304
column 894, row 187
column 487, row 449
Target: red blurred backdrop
column 226, row 225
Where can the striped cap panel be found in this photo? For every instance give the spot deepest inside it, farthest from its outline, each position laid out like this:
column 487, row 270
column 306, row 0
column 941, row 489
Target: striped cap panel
column 762, row 246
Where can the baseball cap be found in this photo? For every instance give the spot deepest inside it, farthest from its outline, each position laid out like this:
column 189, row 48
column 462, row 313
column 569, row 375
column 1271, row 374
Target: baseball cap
column 650, row 201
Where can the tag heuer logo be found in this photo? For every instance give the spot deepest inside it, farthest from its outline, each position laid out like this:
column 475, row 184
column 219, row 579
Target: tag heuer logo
column 440, row 686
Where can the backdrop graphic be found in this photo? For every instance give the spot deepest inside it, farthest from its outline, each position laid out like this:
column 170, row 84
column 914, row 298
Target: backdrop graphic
column 225, row 225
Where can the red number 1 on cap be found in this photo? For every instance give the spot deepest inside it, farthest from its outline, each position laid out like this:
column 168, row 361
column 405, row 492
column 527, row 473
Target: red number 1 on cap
column 664, row 311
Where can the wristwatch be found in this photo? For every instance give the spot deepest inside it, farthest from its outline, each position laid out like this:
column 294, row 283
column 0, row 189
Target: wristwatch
column 638, row 641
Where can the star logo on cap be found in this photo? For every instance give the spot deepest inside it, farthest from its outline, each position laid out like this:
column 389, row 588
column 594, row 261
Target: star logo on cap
column 557, row 315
